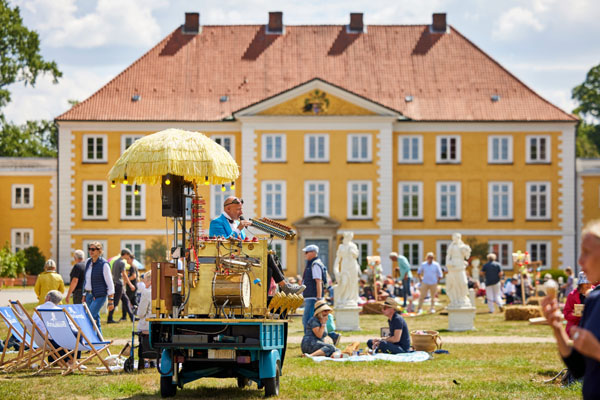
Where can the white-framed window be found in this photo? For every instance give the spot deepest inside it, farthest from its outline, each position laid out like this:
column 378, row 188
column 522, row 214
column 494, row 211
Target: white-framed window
column 20, row 239
column 503, row 251
column 448, row 149
column 365, row 248
column 22, row 196
column 410, row 200
column 127, row 140
column 273, row 147
column 538, row 149
column 137, row 246
column 94, row 148
column 360, row 203
column 227, row 141
column 410, row 149
column 94, row 200
column 316, row 147
column 442, row 251
column 133, row 206
column 280, row 248
column 538, row 200
column 540, row 251
column 217, row 197
column 412, row 250
column 273, row 198
column 316, row 198
column 105, row 254
column 448, row 200
column 500, row 149
column 500, row 200
column 360, row 147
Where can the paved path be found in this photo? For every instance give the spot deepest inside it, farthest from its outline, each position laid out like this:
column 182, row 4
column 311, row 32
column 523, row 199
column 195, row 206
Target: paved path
column 446, row 339
column 23, row 295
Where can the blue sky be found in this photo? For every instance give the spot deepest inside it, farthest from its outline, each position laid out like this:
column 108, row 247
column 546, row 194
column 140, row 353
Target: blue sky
column 548, row 44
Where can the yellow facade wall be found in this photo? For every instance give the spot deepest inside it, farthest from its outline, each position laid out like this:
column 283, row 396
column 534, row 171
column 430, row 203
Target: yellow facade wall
column 37, row 218
column 518, row 243
column 84, row 171
column 591, row 198
column 474, row 172
column 338, row 171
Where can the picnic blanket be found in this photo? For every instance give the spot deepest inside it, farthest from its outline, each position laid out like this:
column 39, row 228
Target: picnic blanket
column 416, row 356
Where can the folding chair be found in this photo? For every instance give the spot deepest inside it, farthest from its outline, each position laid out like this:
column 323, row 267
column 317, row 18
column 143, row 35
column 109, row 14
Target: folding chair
column 15, row 329
column 81, row 314
column 59, row 328
column 40, row 339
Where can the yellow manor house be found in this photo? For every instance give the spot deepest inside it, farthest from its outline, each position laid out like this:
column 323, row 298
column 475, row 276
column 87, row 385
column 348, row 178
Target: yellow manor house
column 402, row 134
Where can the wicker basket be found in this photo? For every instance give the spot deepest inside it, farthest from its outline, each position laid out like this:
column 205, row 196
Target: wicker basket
column 426, row 340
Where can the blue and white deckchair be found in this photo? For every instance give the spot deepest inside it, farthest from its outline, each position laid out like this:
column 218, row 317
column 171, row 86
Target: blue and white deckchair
column 81, row 314
column 40, row 340
column 15, row 329
column 59, row 328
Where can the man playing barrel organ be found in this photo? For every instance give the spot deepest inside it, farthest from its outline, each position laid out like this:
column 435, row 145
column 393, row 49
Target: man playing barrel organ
column 231, row 224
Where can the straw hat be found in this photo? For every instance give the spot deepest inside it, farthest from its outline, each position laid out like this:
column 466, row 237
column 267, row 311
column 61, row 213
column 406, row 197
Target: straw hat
column 391, row 302
column 321, row 306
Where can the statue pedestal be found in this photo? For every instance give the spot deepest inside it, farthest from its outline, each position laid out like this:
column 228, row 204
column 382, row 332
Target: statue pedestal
column 346, row 318
column 461, row 319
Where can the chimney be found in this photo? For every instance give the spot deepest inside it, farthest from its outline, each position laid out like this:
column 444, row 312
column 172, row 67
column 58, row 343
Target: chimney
column 356, row 23
column 192, row 23
column 439, row 23
column 275, row 22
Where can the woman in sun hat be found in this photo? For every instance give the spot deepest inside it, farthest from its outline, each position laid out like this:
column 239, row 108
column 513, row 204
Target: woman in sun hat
column 315, row 331
column 398, row 340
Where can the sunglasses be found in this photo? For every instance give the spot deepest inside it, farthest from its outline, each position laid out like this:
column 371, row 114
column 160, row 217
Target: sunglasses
column 93, row 248
column 234, row 201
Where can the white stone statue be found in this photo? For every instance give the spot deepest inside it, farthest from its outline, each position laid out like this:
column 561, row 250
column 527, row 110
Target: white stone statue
column 347, row 272
column 457, row 286
column 475, row 269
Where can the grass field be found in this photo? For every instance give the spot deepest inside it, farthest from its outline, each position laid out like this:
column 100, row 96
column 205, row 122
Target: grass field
column 483, row 371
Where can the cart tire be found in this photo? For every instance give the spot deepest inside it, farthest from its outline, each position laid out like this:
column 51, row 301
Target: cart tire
column 128, row 366
column 167, row 388
column 243, row 382
column 272, row 384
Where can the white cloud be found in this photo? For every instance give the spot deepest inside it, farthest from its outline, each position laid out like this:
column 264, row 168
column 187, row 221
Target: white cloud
column 515, row 22
column 48, row 101
column 560, row 98
column 111, row 22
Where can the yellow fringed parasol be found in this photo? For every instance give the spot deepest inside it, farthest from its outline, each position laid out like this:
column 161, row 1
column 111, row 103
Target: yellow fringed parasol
column 177, row 152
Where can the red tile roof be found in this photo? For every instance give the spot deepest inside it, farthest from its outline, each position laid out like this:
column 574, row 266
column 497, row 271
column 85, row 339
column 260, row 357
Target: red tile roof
column 184, row 76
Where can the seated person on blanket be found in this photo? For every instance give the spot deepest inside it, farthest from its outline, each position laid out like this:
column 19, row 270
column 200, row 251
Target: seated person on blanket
column 315, row 331
column 52, row 300
column 399, row 339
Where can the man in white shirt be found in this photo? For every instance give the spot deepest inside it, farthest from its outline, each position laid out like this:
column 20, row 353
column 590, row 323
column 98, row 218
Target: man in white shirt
column 429, row 273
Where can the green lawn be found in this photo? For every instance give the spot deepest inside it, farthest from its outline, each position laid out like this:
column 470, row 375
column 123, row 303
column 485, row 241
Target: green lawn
column 491, row 371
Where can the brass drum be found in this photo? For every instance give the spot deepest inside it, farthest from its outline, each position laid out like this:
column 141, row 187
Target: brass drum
column 232, row 287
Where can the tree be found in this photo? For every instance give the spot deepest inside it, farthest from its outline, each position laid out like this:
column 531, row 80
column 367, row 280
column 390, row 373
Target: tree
column 156, row 252
column 32, row 139
column 11, row 265
column 588, row 131
column 34, row 260
column 20, row 58
column 478, row 249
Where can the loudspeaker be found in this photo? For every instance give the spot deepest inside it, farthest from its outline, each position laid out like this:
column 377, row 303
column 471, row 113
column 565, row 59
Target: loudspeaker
column 173, row 201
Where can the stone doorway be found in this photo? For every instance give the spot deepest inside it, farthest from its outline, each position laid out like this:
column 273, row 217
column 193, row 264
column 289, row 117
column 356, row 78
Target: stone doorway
column 319, row 230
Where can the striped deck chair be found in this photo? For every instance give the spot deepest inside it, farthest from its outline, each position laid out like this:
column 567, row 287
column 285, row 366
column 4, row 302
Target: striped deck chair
column 41, row 339
column 59, row 328
column 15, row 329
column 81, row 314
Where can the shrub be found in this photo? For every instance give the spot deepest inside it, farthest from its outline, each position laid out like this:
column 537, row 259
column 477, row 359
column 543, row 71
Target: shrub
column 555, row 274
column 11, row 264
column 156, row 252
column 34, row 260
